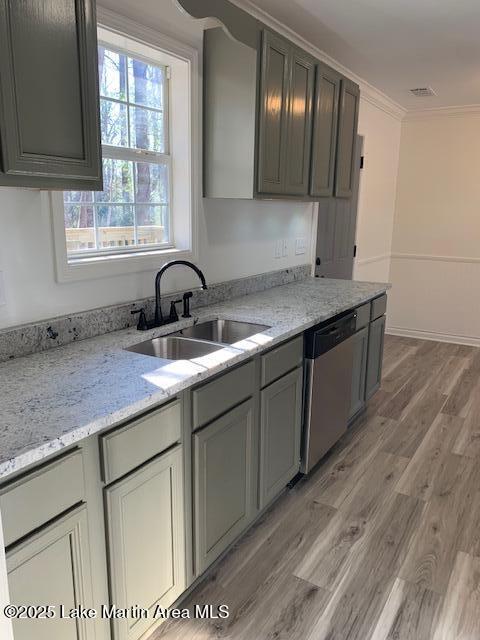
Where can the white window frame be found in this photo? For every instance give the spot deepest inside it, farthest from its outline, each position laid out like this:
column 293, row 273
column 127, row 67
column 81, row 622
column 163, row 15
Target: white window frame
column 133, row 39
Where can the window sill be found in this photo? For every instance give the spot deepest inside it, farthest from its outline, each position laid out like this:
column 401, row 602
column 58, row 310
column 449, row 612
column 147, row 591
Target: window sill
column 115, row 265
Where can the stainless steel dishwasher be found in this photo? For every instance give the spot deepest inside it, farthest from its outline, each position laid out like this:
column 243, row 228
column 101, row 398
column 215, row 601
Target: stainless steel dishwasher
column 328, row 385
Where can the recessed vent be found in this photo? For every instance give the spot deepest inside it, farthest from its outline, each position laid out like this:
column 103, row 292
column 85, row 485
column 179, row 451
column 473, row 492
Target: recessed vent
column 423, row 92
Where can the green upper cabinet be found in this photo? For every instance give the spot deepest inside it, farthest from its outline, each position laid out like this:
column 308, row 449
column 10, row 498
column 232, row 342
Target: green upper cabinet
column 299, row 123
column 272, row 129
column 324, row 139
column 49, row 116
column 347, row 133
column 285, row 118
column 277, row 122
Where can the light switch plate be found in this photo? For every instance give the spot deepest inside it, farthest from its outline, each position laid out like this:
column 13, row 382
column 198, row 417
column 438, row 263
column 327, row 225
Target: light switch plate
column 3, row 301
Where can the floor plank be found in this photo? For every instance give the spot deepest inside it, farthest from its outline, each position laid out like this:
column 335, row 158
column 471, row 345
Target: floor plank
column 428, row 462
column 410, row 612
column 460, row 617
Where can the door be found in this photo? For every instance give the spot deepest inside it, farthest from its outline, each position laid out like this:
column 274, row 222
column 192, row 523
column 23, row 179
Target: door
column 375, row 356
column 325, row 122
column 145, row 522
column 347, row 136
column 49, row 122
column 272, row 140
column 280, row 430
column 360, row 351
column 52, row 567
column 299, row 123
column 224, row 482
column 336, row 229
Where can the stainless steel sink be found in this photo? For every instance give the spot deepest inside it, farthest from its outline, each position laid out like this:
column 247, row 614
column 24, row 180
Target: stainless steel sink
column 174, row 348
column 224, row 331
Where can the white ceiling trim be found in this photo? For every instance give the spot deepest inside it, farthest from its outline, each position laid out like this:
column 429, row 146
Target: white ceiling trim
column 368, row 92
column 460, row 111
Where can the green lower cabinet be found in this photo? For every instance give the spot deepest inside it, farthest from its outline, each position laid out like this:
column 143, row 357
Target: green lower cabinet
column 280, row 432
column 145, row 522
column 224, row 482
column 360, row 352
column 375, row 356
column 53, row 567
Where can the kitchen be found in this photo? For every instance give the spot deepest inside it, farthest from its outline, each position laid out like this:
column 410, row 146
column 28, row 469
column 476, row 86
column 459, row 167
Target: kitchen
column 238, row 342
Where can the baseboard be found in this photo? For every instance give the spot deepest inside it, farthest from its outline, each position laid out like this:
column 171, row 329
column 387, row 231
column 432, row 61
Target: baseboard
column 431, row 335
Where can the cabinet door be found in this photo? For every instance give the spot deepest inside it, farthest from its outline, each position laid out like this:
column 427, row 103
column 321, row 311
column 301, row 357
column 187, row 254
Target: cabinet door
column 324, row 140
column 53, row 567
column 347, row 134
column 375, row 356
column 274, row 86
column 145, row 514
column 49, row 123
column 224, row 479
column 280, row 427
column 299, row 123
column 360, row 350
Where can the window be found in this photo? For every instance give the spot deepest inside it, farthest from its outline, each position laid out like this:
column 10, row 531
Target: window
column 146, row 207
column 133, row 210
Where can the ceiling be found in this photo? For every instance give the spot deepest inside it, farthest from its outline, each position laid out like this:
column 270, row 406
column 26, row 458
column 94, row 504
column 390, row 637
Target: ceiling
column 396, row 45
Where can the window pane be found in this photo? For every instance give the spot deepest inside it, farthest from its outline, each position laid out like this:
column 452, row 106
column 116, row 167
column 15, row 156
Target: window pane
column 117, row 181
column 146, row 84
column 147, row 130
column 116, row 226
column 79, row 226
column 151, row 183
column 112, row 71
column 114, row 125
column 152, row 224
column 77, row 196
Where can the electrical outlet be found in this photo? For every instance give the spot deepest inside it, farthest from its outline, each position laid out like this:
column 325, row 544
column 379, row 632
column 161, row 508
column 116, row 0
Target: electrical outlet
column 278, row 249
column 300, row 246
column 2, row 291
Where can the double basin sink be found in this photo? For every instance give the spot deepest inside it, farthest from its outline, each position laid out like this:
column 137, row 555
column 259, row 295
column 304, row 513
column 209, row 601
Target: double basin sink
column 198, row 340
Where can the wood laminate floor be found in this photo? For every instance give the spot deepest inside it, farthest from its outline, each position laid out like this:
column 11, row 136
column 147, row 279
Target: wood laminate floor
column 383, row 540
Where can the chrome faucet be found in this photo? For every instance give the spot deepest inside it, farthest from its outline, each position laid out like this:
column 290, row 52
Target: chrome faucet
column 158, row 302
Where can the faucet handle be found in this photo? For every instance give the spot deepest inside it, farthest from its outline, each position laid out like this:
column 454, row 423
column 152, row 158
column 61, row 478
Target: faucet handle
column 186, row 304
column 173, row 310
column 142, row 320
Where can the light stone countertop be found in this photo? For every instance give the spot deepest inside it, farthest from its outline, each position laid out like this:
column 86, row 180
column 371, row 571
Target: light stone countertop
column 54, row 399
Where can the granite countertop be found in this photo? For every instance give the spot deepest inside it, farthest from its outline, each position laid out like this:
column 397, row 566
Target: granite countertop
column 53, row 399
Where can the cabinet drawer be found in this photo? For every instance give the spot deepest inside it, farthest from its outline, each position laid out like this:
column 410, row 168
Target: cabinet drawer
column 216, row 397
column 43, row 494
column 133, row 444
column 379, row 306
column 363, row 316
column 279, row 361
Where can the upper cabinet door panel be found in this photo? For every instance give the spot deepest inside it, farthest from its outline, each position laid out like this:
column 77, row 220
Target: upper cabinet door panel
column 347, row 133
column 49, row 122
column 324, row 140
column 274, row 84
column 299, row 127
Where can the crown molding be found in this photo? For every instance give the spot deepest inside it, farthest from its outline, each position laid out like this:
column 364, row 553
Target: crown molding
column 368, row 92
column 459, row 111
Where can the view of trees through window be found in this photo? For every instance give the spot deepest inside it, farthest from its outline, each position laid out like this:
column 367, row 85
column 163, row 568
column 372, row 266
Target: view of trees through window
column 133, row 210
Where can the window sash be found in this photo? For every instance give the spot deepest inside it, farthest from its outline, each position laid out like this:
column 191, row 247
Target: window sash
column 136, row 155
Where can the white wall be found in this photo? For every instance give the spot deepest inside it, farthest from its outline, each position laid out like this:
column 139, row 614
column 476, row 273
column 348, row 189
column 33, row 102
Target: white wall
column 376, row 206
column 436, row 242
